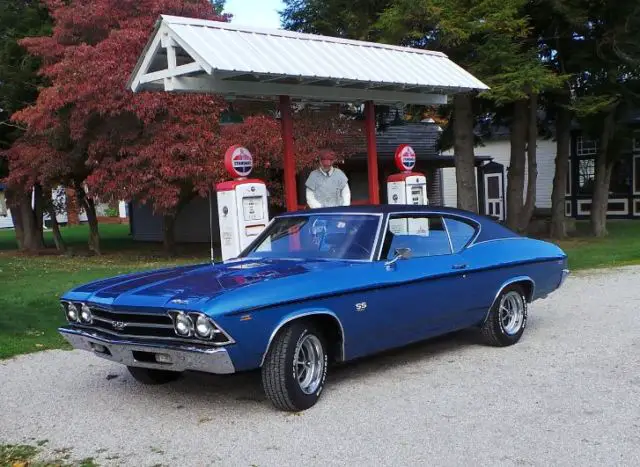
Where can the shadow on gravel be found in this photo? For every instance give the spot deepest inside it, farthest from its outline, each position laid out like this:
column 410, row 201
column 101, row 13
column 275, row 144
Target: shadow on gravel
column 243, row 391
column 246, row 387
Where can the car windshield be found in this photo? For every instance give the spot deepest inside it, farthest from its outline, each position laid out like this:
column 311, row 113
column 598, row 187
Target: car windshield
column 318, row 236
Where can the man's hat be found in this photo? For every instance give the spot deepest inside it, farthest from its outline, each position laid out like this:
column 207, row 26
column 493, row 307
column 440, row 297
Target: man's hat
column 327, row 154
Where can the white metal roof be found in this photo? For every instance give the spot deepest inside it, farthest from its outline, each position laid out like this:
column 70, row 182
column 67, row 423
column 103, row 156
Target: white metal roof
column 192, row 55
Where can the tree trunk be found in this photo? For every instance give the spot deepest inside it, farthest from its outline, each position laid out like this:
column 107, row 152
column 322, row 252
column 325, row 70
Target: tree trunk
column 55, row 227
column 90, row 208
column 31, row 232
column 38, row 210
column 600, row 198
column 463, row 152
column 532, row 164
column 563, row 135
column 13, row 203
column 515, row 177
column 168, row 234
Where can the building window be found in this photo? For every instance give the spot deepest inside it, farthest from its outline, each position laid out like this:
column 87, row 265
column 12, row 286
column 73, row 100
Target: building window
column 567, row 190
column 587, row 147
column 567, row 208
column 636, row 175
column 636, row 207
column 636, row 143
column 3, row 205
column 586, row 176
column 621, row 175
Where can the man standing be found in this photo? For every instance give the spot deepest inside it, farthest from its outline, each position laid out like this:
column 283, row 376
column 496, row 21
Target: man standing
column 327, row 185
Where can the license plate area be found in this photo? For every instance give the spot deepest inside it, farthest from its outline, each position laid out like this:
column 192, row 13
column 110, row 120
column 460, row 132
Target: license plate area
column 152, row 357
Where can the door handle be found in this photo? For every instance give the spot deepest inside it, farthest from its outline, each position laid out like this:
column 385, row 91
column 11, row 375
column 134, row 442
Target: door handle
column 459, row 266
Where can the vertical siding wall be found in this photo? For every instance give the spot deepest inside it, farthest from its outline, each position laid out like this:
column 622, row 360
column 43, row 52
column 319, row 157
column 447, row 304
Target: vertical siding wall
column 501, row 153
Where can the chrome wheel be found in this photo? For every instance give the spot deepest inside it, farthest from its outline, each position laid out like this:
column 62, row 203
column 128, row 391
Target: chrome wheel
column 512, row 311
column 309, row 364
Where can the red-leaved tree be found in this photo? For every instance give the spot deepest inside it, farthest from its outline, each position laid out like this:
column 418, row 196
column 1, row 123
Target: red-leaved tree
column 155, row 147
column 150, row 147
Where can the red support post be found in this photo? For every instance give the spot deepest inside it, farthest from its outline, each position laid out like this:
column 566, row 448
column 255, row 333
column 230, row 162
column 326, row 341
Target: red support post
column 372, row 154
column 289, row 163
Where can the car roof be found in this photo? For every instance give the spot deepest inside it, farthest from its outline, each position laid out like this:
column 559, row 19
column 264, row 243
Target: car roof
column 490, row 229
column 386, row 209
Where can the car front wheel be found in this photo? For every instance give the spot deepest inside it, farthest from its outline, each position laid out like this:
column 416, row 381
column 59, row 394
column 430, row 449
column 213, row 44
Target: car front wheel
column 295, row 368
column 507, row 318
column 151, row 376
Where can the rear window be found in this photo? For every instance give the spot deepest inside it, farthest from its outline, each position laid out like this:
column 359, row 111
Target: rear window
column 460, row 233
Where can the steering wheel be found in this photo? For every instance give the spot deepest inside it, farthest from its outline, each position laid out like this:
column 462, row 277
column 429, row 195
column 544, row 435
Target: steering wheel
column 333, row 250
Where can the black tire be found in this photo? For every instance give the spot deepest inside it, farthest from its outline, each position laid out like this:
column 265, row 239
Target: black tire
column 493, row 329
column 152, row 376
column 279, row 373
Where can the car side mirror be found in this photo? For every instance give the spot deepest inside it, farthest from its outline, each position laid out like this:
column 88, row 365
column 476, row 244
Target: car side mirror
column 400, row 253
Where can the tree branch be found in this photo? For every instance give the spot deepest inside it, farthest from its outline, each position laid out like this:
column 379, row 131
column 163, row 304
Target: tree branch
column 14, row 126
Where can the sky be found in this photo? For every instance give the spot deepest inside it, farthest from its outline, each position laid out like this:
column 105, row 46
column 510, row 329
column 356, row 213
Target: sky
column 259, row 13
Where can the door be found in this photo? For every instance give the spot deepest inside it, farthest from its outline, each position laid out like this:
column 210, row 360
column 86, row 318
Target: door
column 494, row 195
column 418, row 297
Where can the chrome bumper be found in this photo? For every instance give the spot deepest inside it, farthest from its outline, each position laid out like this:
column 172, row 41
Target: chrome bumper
column 565, row 274
column 178, row 357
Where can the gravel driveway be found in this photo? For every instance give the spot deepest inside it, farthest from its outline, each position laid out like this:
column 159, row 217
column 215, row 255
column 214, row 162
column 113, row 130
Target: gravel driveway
column 567, row 394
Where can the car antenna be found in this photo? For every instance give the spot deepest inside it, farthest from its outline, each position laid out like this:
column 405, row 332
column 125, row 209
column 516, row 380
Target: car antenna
column 211, row 226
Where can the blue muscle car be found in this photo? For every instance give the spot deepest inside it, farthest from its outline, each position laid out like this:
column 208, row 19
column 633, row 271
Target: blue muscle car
column 315, row 287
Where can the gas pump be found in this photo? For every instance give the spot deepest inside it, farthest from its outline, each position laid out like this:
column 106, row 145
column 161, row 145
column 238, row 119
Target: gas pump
column 407, row 187
column 243, row 210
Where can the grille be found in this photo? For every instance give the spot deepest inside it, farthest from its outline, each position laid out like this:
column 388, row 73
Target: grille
column 133, row 324
column 158, row 326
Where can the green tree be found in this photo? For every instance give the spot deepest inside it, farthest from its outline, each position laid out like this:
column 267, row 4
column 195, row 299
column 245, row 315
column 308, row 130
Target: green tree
column 494, row 41
column 19, row 85
column 609, row 88
column 555, row 23
column 352, row 19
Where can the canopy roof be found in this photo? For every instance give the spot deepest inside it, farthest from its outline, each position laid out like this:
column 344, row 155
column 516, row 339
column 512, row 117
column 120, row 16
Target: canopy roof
column 193, row 55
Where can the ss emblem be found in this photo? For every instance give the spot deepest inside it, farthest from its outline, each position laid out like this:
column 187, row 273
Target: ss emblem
column 361, row 306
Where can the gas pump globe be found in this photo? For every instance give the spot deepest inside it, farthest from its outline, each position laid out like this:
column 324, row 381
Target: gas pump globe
column 243, row 210
column 406, row 187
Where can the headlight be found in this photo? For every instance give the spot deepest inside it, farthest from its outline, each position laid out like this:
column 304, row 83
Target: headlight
column 195, row 324
column 85, row 314
column 183, row 325
column 204, row 327
column 72, row 312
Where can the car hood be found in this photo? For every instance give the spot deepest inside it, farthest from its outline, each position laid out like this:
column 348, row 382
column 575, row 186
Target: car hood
column 198, row 287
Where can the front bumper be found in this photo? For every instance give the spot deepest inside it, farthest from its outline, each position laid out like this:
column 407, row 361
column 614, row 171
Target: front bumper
column 563, row 278
column 174, row 357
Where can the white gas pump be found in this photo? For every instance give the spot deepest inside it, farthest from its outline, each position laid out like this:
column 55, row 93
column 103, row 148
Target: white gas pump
column 243, row 210
column 407, row 187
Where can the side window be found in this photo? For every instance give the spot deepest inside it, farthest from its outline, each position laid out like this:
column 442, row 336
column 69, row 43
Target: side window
column 425, row 235
column 460, row 233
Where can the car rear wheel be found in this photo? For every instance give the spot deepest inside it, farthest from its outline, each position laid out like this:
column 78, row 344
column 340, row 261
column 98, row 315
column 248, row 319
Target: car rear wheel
column 151, row 376
column 295, row 368
column 507, row 318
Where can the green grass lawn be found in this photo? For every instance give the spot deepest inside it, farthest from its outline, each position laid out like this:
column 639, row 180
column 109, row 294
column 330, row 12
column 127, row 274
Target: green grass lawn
column 621, row 247
column 31, row 285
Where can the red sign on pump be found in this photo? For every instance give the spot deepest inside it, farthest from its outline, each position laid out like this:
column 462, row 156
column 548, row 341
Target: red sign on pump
column 405, row 158
column 238, row 161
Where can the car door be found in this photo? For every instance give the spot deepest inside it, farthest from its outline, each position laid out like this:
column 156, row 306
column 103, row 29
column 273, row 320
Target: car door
column 424, row 295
